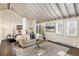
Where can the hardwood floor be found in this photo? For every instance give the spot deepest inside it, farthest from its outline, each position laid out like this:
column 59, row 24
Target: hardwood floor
column 49, row 49
column 6, row 49
column 73, row 51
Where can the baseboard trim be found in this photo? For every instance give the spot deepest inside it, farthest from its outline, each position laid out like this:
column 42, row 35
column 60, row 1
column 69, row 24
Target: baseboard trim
column 65, row 45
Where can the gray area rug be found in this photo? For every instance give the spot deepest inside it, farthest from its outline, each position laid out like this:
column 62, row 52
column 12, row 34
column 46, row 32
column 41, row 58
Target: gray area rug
column 47, row 49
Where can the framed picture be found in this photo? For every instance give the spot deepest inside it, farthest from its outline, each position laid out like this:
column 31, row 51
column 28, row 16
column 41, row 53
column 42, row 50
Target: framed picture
column 50, row 27
column 18, row 29
column 59, row 28
column 72, row 28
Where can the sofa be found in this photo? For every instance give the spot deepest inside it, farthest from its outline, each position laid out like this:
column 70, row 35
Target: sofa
column 25, row 41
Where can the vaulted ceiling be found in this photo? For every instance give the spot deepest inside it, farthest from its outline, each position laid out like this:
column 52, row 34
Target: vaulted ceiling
column 44, row 11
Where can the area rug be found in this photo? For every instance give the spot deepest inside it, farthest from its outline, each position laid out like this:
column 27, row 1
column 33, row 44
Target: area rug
column 41, row 52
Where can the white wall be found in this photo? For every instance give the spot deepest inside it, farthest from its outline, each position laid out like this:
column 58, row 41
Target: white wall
column 31, row 24
column 0, row 26
column 73, row 41
column 8, row 19
column 27, row 24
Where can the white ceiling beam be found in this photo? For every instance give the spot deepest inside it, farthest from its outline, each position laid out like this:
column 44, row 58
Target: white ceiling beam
column 45, row 5
column 63, row 9
column 77, row 8
column 57, row 11
column 15, row 9
column 34, row 13
column 35, row 9
column 71, row 9
column 41, row 11
column 28, row 11
column 50, row 10
column 46, row 11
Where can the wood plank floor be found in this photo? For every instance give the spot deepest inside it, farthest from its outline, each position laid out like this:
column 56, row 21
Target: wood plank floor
column 48, row 49
column 73, row 51
column 6, row 49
